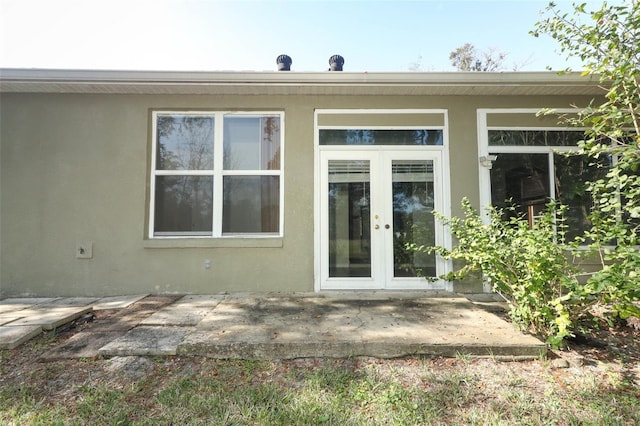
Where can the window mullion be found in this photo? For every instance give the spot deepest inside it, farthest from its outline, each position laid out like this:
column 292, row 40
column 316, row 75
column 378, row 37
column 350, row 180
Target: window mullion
column 252, row 172
column 552, row 176
column 182, row 172
column 552, row 190
column 218, row 162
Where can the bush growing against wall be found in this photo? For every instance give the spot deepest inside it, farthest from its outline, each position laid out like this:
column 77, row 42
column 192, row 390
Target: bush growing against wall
column 527, row 265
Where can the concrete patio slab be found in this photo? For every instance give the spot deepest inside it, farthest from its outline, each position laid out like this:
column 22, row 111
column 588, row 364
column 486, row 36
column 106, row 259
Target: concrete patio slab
column 14, row 335
column 9, row 318
column 281, row 327
column 71, row 301
column 51, row 317
column 12, row 308
column 120, row 324
column 147, row 341
column 20, row 303
column 27, row 300
column 107, row 326
column 202, row 300
column 188, row 311
column 84, row 344
column 117, row 302
column 127, row 318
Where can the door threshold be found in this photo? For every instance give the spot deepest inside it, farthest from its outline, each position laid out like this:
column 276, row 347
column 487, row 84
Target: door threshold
column 386, row 294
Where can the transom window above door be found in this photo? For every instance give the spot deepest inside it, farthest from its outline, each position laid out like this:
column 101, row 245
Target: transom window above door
column 388, row 128
column 417, row 137
column 216, row 174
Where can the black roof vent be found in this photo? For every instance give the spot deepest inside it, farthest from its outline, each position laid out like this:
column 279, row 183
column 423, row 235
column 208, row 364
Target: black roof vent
column 284, row 62
column 335, row 63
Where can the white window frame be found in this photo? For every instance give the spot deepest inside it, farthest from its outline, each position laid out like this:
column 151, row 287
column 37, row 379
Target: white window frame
column 218, row 173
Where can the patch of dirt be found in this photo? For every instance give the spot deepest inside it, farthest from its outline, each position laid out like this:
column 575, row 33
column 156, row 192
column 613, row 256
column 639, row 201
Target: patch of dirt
column 619, row 344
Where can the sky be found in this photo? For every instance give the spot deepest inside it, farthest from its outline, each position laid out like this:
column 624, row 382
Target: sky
column 244, row 35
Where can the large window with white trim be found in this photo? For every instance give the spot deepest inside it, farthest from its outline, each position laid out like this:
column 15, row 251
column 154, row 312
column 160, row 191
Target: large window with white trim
column 525, row 167
column 216, row 174
column 540, row 166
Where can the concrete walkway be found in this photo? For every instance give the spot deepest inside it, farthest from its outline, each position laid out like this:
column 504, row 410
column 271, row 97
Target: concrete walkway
column 274, row 326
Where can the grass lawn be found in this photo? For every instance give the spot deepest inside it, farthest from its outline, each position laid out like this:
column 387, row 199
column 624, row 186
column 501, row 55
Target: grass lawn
column 593, row 390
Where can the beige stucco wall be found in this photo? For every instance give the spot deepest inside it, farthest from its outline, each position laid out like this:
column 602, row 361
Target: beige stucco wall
column 74, row 169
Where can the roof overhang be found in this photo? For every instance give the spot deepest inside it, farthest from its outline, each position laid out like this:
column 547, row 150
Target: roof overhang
column 296, row 83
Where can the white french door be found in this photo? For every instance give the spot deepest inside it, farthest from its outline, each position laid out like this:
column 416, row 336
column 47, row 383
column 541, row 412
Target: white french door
column 374, row 203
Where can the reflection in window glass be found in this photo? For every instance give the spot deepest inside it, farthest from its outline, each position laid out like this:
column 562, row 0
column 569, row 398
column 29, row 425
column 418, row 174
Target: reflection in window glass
column 522, row 181
column 535, row 137
column 251, row 143
column 349, row 219
column 184, row 142
column 251, row 204
column 380, row 137
column 183, row 204
column 571, row 174
column 413, row 220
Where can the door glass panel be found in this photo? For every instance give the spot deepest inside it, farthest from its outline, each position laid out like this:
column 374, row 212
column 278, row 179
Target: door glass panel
column 413, row 220
column 349, row 219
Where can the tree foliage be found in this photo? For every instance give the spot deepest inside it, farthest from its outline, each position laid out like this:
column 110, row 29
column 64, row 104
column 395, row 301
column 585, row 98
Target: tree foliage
column 528, row 265
column 607, row 41
column 467, row 58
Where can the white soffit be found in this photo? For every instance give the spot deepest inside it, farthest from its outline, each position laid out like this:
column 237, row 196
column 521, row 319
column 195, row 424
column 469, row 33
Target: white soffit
column 295, row 83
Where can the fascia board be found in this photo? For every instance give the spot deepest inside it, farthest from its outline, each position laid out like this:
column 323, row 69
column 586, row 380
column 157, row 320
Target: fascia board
column 85, row 81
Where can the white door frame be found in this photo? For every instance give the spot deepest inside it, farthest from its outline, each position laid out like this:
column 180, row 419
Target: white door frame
column 443, row 185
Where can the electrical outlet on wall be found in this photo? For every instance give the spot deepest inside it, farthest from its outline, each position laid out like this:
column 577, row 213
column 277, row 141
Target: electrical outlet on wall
column 84, row 250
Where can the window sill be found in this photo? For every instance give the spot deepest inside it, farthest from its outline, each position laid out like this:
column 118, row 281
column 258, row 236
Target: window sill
column 181, row 243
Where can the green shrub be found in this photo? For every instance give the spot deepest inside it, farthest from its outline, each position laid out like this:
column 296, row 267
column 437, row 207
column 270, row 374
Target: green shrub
column 528, row 266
